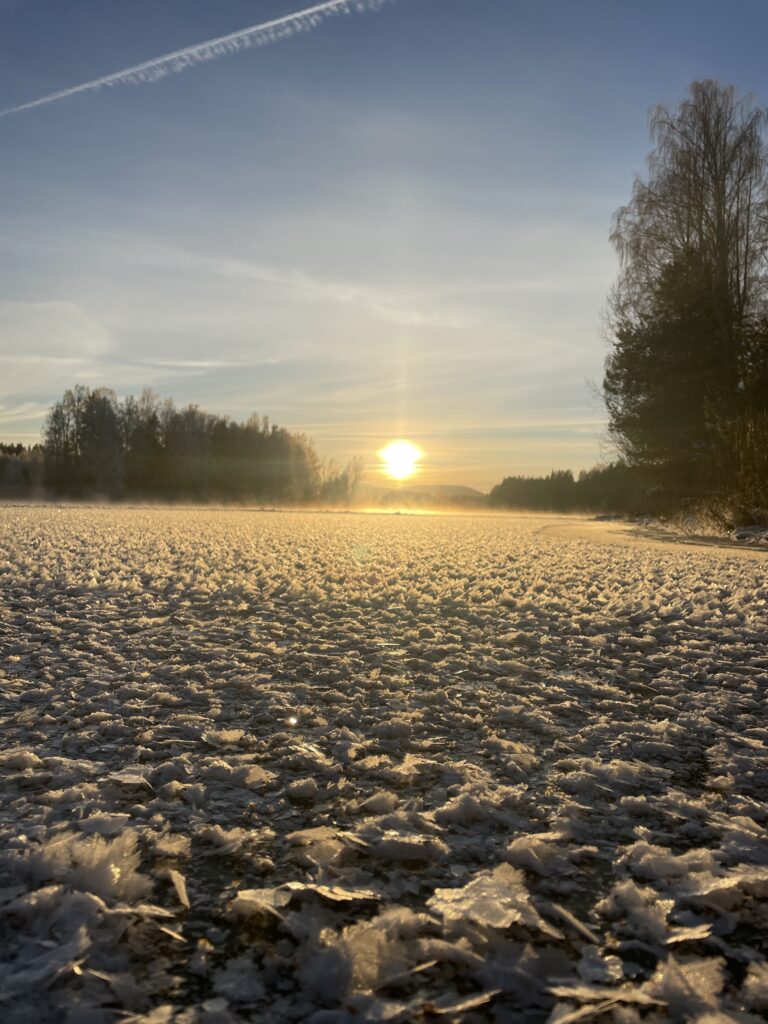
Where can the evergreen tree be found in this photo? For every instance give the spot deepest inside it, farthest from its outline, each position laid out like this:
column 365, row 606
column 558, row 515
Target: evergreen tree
column 687, row 315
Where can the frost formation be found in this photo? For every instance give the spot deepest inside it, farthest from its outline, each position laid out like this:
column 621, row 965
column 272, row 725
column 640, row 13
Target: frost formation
column 337, row 768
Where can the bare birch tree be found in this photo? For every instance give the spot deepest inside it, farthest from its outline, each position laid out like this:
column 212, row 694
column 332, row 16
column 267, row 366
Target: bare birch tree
column 687, row 315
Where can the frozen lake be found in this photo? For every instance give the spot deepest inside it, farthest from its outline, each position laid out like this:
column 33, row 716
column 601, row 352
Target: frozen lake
column 328, row 767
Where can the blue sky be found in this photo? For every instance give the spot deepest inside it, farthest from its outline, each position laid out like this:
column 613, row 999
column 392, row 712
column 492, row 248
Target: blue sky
column 395, row 224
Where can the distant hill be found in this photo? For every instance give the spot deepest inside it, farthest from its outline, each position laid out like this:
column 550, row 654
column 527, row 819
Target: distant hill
column 446, row 490
column 422, row 495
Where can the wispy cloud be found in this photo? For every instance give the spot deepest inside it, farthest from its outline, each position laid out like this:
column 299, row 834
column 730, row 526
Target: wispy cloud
column 25, row 411
column 50, row 330
column 404, row 310
column 209, row 364
column 405, row 307
column 211, row 49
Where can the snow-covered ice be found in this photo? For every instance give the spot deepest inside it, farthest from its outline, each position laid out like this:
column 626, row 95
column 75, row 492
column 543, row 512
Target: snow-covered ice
column 336, row 768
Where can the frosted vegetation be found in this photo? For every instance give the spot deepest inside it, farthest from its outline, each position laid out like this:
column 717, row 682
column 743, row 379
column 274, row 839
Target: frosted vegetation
column 329, row 768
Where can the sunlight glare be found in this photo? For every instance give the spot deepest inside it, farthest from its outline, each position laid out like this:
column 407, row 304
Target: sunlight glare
column 400, row 459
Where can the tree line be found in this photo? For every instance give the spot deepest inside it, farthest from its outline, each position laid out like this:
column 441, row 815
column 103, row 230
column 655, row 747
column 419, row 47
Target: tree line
column 686, row 377
column 612, row 488
column 144, row 447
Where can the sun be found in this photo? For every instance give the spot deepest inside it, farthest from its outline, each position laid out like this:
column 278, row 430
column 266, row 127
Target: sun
column 400, row 459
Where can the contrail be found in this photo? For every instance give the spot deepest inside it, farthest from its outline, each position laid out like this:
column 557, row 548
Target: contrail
column 178, row 61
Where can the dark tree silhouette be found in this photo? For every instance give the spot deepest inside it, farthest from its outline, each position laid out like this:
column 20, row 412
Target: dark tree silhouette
column 612, row 488
column 21, row 470
column 687, row 317
column 95, row 444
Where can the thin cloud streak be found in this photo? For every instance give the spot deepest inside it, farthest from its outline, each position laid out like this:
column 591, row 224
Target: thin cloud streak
column 26, row 411
column 405, row 308
column 200, row 53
